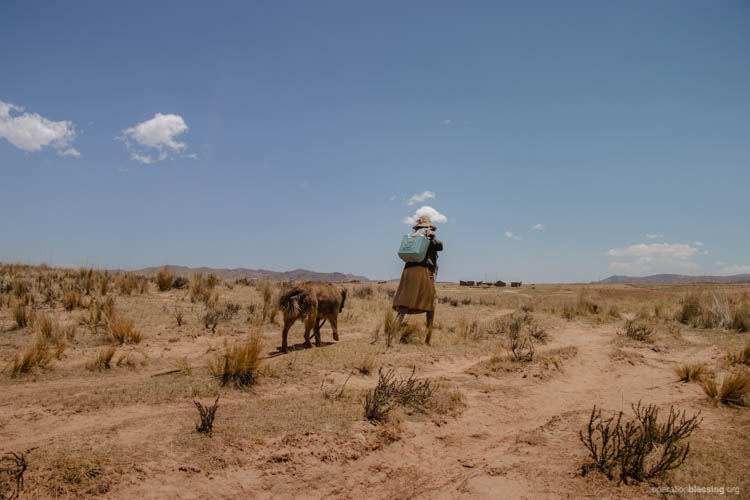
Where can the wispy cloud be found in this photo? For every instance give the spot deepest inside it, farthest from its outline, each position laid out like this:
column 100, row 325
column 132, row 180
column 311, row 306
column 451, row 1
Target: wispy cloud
column 698, row 243
column 647, row 257
column 538, row 227
column 32, row 132
column 434, row 215
column 720, row 263
column 736, row 269
column 70, row 152
column 419, row 198
column 157, row 135
column 654, row 236
column 512, row 236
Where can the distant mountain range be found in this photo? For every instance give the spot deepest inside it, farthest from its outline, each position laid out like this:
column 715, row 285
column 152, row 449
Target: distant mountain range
column 677, row 279
column 230, row 274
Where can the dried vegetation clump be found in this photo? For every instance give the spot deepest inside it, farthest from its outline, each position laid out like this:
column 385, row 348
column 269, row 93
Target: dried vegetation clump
column 392, row 391
column 733, row 390
column 239, row 364
column 639, row 449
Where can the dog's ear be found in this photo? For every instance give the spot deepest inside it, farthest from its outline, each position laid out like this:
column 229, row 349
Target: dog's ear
column 343, row 298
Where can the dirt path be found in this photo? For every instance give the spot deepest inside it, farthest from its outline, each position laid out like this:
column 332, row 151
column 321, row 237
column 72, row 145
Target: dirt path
column 517, row 438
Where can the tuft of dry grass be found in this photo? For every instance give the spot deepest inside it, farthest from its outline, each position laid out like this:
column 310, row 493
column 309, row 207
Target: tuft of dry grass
column 164, row 279
column 71, row 300
column 239, row 365
column 121, row 330
column 36, row 357
column 733, row 390
column 741, row 358
column 691, row 372
column 103, row 359
column 21, row 315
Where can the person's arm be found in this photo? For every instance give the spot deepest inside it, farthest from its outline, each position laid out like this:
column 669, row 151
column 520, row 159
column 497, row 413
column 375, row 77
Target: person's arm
column 437, row 244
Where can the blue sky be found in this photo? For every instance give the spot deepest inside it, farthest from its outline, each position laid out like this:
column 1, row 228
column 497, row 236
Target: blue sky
column 281, row 135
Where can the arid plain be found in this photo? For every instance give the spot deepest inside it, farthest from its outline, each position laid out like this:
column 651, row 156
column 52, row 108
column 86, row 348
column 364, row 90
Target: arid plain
column 101, row 372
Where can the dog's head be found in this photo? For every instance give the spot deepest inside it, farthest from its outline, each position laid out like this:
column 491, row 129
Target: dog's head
column 343, row 298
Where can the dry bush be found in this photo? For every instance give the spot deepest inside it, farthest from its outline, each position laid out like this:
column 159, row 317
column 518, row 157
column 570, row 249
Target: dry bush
column 365, row 292
column 21, row 315
column 695, row 311
column 207, row 415
column 164, row 279
column 637, row 331
column 391, row 391
column 740, row 318
column 103, row 359
column 21, row 289
column 239, row 365
column 178, row 316
column 127, row 283
column 365, row 364
column 640, row 449
column 538, row 333
column 410, row 334
column 469, row 331
column 200, row 288
column 71, row 300
column 122, row 330
column 733, row 390
column 45, row 326
column 741, row 358
column 520, row 346
column 12, row 467
column 36, row 357
column 691, row 372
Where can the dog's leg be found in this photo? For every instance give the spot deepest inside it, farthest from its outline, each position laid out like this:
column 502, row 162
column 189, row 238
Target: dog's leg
column 335, row 325
column 288, row 322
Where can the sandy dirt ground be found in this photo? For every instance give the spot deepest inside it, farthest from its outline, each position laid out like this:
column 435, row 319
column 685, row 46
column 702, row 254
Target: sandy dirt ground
column 509, row 432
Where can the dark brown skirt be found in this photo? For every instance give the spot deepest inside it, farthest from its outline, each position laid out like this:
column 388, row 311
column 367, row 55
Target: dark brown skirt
column 416, row 290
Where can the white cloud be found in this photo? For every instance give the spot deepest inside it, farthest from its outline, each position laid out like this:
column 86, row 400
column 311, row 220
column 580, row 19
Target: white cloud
column 192, row 156
column 156, row 134
column 70, row 152
column 512, row 236
column 736, row 269
column 652, row 256
column 698, row 243
column 654, row 236
column 31, row 132
column 435, row 216
column 447, row 121
column 538, row 227
column 419, row 198
column 720, row 263
column 393, row 197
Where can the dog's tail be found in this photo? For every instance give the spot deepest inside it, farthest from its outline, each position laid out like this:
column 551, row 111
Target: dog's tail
column 294, row 302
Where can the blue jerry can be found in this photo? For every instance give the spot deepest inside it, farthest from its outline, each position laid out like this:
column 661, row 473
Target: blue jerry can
column 413, row 248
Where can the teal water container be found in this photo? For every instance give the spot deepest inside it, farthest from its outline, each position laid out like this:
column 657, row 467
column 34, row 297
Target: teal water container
column 413, row 248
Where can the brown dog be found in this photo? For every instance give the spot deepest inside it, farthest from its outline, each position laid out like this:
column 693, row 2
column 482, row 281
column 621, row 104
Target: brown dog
column 313, row 303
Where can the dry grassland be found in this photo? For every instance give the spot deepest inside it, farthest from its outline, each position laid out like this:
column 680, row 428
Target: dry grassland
column 101, row 374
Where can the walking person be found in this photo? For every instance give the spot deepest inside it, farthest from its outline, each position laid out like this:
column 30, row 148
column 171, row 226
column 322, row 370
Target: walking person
column 416, row 290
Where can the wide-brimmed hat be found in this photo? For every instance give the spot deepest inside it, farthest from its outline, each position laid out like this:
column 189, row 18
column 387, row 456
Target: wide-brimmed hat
column 423, row 221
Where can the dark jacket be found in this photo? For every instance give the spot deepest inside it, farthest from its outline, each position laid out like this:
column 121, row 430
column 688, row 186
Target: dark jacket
column 431, row 258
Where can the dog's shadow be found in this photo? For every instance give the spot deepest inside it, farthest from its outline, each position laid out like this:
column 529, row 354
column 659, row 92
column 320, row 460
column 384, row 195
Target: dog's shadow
column 298, row 347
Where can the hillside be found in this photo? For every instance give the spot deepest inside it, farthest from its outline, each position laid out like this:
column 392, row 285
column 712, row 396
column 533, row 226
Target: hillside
column 295, row 275
column 677, row 279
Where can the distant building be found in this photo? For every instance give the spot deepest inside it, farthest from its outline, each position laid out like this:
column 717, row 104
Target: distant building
column 515, row 284
column 499, row 283
column 466, row 283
